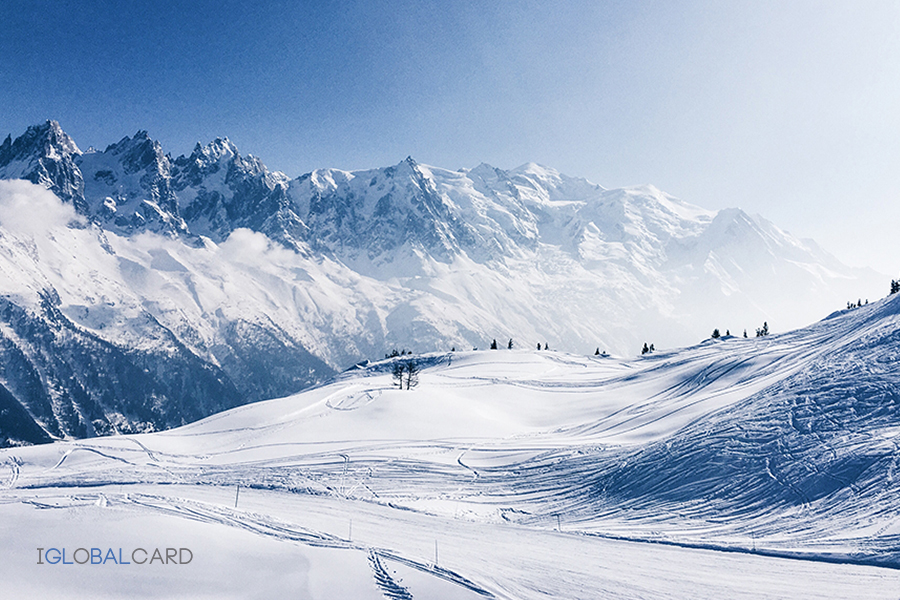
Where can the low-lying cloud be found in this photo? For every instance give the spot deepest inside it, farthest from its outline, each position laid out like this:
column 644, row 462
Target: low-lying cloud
column 31, row 209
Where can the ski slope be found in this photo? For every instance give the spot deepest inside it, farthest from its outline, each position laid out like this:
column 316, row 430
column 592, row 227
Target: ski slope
column 736, row 468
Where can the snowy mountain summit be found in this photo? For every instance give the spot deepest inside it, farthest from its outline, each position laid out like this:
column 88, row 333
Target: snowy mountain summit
column 166, row 288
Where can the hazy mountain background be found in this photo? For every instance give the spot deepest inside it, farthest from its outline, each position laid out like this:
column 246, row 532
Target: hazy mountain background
column 141, row 291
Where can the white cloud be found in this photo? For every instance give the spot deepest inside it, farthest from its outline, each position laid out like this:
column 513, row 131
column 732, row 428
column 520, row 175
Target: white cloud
column 31, row 209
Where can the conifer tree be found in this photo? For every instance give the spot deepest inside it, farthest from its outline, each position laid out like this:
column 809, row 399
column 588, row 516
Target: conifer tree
column 494, row 345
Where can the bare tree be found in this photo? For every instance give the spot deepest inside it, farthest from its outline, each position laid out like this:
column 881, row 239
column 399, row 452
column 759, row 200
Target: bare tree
column 397, row 374
column 412, row 374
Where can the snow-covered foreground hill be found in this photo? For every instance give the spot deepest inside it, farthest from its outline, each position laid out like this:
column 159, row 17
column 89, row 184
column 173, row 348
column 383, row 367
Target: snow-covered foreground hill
column 738, row 468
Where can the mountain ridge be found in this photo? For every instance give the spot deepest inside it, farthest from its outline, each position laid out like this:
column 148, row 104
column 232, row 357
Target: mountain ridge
column 273, row 283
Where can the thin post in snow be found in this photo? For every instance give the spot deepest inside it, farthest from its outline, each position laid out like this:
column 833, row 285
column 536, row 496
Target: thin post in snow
column 237, row 492
column 435, row 554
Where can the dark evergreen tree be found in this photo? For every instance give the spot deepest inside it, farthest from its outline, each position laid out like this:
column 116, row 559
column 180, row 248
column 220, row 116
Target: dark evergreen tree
column 895, row 286
column 510, row 344
column 494, row 345
column 597, row 352
column 546, row 347
column 715, row 334
column 645, row 349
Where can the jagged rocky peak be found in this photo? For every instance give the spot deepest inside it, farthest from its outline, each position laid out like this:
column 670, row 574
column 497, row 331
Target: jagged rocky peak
column 139, row 153
column 128, row 187
column 212, row 155
column 220, row 156
column 45, row 155
column 47, row 140
column 220, row 191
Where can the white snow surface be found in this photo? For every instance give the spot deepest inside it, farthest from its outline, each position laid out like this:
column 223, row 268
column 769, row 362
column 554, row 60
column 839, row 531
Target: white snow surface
column 736, row 468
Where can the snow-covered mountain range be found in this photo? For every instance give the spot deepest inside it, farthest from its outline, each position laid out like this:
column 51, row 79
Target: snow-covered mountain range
column 141, row 291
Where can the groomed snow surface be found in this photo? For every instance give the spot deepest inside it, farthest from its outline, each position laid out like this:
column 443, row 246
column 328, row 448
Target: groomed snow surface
column 737, row 468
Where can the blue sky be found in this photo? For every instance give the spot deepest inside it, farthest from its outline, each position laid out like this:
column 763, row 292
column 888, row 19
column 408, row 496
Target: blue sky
column 791, row 110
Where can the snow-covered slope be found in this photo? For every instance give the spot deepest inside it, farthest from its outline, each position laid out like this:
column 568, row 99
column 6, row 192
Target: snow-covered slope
column 738, row 468
column 268, row 284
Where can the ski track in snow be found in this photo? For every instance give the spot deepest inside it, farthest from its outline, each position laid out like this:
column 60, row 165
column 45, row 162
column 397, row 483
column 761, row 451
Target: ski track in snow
column 13, row 463
column 390, row 588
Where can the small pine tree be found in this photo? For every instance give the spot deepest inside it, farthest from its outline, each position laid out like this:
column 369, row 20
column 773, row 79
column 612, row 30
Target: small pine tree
column 509, row 346
column 494, row 345
column 597, row 352
column 895, row 286
column 715, row 334
column 645, row 349
column 546, row 347
column 539, row 345
column 745, row 333
column 652, row 348
column 727, row 333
